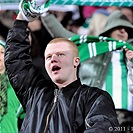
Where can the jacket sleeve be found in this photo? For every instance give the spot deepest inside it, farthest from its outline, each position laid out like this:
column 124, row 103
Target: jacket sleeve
column 101, row 117
column 21, row 72
column 54, row 27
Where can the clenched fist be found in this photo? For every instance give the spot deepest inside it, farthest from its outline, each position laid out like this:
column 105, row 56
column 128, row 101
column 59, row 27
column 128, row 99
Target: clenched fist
column 30, row 10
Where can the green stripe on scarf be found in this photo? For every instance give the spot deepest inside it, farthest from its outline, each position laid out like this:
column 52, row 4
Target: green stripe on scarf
column 90, row 46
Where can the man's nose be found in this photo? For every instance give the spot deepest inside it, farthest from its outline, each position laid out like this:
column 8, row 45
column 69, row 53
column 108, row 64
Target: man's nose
column 54, row 58
column 123, row 30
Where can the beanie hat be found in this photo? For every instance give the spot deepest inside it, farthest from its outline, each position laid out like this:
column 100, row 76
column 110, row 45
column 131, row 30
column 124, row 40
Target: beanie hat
column 2, row 43
column 117, row 19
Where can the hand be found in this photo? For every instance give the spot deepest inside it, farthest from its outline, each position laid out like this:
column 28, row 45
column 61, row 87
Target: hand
column 129, row 54
column 30, row 10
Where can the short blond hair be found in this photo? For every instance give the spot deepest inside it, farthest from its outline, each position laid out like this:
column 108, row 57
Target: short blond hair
column 71, row 44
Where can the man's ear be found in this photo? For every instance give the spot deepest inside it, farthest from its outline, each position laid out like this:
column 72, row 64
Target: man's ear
column 76, row 61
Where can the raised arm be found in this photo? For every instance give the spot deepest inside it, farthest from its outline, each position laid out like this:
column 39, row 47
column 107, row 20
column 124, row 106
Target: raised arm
column 54, row 27
column 20, row 70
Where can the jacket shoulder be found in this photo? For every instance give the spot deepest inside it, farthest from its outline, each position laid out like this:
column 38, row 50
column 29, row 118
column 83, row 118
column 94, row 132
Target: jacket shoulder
column 95, row 92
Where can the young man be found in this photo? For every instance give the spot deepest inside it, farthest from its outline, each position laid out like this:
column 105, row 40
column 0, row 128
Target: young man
column 63, row 104
column 106, row 71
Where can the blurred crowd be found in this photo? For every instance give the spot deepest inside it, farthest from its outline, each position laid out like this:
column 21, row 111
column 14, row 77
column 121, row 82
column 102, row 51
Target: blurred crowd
column 82, row 20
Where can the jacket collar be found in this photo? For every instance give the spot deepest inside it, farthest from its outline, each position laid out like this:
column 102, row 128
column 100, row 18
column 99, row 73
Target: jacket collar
column 72, row 86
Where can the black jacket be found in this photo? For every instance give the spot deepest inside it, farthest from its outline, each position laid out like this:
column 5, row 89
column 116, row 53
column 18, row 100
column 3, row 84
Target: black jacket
column 75, row 108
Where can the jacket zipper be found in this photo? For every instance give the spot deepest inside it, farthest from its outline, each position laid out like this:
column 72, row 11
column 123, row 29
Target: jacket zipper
column 55, row 100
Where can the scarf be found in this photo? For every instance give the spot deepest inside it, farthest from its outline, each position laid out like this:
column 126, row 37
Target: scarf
column 3, row 94
column 90, row 46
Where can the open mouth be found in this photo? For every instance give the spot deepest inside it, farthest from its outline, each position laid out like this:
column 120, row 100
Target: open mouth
column 55, row 68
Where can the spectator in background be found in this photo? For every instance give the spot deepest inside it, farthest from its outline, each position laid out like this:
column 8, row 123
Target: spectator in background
column 128, row 11
column 99, row 19
column 95, row 23
column 114, row 74
column 11, row 111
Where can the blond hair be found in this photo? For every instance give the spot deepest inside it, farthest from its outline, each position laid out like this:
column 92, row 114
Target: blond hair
column 71, row 44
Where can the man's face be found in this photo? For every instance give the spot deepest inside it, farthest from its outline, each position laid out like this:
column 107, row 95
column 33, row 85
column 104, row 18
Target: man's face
column 2, row 51
column 61, row 63
column 119, row 33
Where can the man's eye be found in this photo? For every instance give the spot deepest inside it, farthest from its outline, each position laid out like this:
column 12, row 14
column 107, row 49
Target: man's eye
column 61, row 54
column 48, row 57
column 2, row 52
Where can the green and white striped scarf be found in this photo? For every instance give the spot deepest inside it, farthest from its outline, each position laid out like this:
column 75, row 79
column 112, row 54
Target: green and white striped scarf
column 90, row 46
column 116, row 82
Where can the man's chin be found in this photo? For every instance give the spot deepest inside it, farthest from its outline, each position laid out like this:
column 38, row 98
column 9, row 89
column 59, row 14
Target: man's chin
column 56, row 79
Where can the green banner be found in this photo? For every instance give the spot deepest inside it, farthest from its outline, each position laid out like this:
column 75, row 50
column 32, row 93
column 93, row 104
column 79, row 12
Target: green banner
column 94, row 2
column 13, row 4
